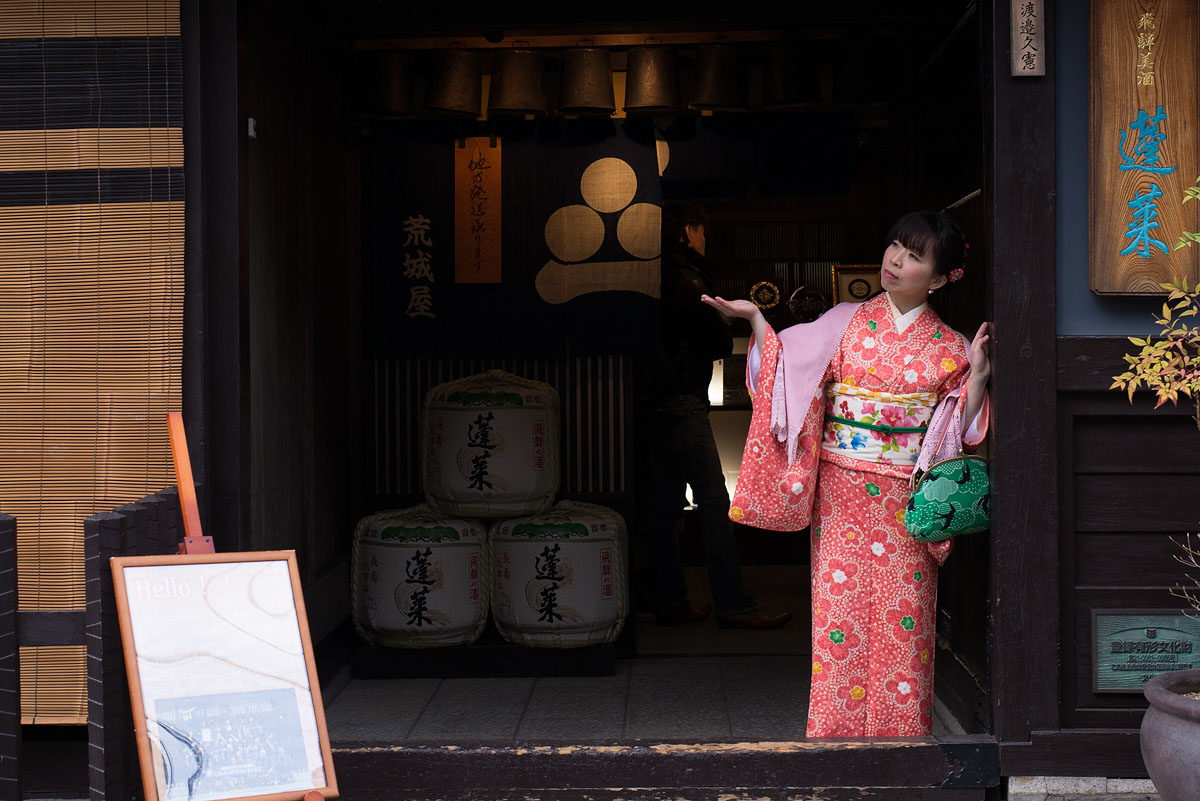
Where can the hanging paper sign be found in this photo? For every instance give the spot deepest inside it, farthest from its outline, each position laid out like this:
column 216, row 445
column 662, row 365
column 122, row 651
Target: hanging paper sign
column 477, row 210
column 1144, row 145
column 1028, row 38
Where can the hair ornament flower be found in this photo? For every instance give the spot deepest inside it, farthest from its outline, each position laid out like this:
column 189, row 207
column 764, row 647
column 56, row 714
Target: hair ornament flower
column 956, row 274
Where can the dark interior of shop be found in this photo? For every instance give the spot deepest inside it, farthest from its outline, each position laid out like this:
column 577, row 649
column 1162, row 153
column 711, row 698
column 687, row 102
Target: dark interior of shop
column 880, row 110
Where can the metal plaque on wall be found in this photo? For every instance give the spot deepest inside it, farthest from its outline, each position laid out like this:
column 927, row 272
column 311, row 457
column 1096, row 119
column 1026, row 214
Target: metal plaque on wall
column 1132, row 646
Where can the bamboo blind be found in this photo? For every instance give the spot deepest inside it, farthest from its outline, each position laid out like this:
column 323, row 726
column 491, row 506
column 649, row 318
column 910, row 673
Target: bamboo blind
column 91, row 291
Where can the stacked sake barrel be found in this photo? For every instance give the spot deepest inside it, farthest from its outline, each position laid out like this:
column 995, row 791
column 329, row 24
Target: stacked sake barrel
column 490, row 446
column 420, row 579
column 560, row 576
column 490, row 451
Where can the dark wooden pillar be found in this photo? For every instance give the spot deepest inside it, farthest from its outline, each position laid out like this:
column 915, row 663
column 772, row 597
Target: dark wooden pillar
column 216, row 363
column 111, row 744
column 1019, row 131
column 10, row 668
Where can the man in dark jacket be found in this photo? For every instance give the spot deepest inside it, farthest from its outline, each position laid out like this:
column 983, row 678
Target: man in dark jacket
column 677, row 435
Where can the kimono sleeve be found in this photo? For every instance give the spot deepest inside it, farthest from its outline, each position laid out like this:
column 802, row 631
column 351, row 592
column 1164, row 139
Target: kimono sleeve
column 771, row 493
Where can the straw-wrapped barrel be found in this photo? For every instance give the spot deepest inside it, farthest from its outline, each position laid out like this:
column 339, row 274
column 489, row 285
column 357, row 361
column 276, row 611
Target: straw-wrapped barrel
column 491, row 446
column 420, row 579
column 560, row 576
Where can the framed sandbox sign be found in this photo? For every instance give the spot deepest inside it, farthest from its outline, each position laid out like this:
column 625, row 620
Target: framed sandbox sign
column 226, row 703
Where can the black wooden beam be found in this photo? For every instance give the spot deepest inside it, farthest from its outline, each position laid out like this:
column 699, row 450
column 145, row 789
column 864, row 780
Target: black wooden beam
column 1079, row 752
column 38, row 627
column 10, row 669
column 753, row 793
column 1088, row 364
column 216, row 384
column 111, row 749
column 1019, row 131
column 369, row 771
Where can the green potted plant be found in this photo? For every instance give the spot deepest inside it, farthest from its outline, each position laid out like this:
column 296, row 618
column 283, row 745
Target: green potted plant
column 1170, row 366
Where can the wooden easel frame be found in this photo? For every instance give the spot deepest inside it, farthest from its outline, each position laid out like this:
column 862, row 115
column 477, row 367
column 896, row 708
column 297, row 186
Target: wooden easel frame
column 146, row 753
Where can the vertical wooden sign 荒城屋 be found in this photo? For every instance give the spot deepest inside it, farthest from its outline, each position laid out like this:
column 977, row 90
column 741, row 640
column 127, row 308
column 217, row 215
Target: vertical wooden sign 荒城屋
column 477, row 210
column 1145, row 144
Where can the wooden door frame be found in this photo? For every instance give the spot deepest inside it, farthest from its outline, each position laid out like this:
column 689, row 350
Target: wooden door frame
column 216, row 381
column 1019, row 125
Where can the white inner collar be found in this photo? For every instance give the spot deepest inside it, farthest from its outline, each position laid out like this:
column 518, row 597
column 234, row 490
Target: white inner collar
column 903, row 321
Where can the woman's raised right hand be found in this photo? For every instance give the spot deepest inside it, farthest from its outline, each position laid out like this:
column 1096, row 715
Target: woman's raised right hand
column 732, row 308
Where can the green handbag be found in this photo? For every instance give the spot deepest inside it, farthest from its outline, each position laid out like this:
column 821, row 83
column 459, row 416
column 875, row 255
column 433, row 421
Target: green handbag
column 951, row 498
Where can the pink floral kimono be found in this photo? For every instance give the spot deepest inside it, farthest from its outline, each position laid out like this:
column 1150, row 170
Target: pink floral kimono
column 874, row 588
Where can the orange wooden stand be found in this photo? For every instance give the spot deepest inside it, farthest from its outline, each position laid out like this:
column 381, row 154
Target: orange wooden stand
column 194, row 540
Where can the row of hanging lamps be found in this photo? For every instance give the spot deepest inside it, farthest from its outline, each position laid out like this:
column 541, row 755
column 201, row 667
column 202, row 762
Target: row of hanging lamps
column 652, row 85
column 790, row 78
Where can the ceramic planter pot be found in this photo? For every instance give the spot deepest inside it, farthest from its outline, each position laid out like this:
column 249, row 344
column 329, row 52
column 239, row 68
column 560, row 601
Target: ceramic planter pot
column 1171, row 735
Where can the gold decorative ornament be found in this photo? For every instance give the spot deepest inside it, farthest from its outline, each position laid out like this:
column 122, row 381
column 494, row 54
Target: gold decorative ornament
column 765, row 295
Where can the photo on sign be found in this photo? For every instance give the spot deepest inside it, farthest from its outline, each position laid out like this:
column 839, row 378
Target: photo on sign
column 221, row 676
column 854, row 283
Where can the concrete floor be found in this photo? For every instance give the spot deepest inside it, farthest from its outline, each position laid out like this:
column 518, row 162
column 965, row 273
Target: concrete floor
column 695, row 682
column 684, row 699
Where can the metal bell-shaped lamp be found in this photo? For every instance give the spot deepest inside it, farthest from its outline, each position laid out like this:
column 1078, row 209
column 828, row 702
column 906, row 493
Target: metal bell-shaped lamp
column 720, row 79
column 517, row 83
column 651, row 81
column 587, row 87
column 790, row 78
column 390, row 93
column 456, row 86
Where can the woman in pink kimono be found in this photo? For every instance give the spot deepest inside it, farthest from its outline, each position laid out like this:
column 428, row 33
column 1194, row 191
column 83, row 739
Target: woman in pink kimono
column 841, row 410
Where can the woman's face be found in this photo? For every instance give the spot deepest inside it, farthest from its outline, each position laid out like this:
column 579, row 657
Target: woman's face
column 908, row 273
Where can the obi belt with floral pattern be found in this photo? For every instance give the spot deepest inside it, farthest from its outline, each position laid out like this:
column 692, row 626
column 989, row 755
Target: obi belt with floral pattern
column 876, row 426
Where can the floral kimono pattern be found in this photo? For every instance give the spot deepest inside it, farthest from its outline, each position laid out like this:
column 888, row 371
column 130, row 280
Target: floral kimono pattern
column 874, row 588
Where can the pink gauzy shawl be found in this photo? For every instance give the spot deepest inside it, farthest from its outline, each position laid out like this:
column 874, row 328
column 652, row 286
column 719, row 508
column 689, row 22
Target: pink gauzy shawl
column 803, row 354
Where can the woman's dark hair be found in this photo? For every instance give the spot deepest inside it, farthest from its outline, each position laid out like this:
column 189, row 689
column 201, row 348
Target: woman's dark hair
column 932, row 234
column 676, row 216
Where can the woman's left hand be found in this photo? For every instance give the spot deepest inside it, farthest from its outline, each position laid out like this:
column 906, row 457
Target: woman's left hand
column 981, row 363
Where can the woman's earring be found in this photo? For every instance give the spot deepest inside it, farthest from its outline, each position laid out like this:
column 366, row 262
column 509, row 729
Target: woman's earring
column 931, row 292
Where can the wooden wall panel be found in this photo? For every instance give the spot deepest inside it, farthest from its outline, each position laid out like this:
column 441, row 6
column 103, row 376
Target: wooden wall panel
column 1136, row 501
column 1119, row 444
column 1126, row 560
column 1130, row 480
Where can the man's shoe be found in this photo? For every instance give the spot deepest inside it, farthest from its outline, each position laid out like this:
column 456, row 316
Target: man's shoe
column 682, row 614
column 754, row 619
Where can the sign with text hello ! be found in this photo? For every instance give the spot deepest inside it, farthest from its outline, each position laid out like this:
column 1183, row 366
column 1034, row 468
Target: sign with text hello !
column 222, row 679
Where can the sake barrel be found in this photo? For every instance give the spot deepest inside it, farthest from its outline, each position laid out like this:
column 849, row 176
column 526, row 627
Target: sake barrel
column 560, row 576
column 491, row 446
column 420, row 579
